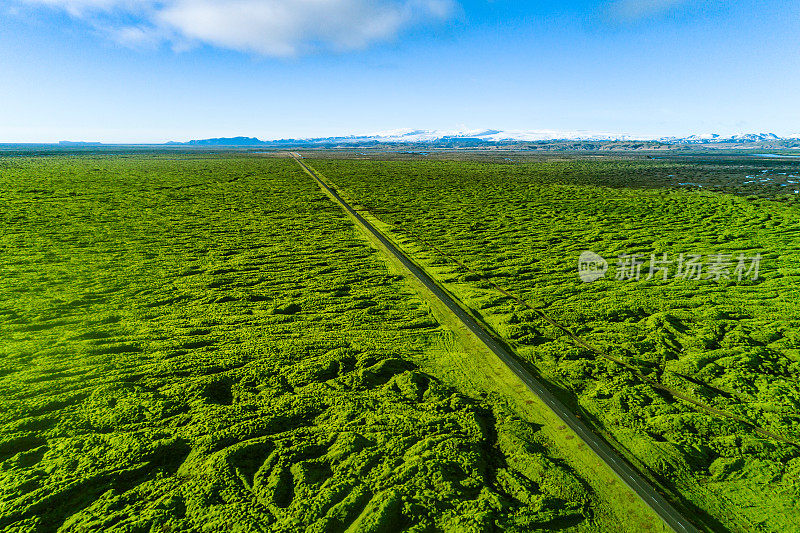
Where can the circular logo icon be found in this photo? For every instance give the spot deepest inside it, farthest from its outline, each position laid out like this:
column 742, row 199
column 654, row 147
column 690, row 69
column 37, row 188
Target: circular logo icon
column 591, row 267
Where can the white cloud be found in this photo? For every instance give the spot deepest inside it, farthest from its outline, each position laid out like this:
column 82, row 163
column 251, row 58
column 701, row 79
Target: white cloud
column 268, row 27
column 137, row 36
column 639, row 9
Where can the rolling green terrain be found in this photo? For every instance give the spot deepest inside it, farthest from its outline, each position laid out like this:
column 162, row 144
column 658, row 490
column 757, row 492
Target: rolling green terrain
column 197, row 343
column 729, row 448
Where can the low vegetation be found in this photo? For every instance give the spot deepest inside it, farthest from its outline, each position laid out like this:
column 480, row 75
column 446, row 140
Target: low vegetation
column 193, row 343
column 731, row 346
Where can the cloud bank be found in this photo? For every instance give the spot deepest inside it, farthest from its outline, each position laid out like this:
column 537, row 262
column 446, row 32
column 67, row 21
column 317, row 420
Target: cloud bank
column 281, row 28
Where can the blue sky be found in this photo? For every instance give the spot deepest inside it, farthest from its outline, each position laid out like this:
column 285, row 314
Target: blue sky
column 158, row 70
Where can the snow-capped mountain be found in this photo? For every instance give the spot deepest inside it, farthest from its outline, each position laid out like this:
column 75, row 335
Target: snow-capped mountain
column 505, row 136
column 465, row 136
column 491, row 136
column 715, row 138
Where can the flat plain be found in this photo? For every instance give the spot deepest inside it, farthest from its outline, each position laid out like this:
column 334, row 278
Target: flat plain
column 195, row 341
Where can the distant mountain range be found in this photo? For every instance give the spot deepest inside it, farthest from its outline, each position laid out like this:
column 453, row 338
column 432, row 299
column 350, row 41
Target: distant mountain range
column 466, row 138
column 225, row 141
column 733, row 139
column 533, row 139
